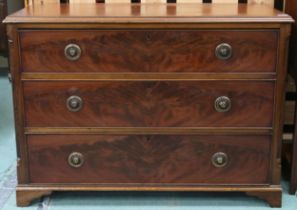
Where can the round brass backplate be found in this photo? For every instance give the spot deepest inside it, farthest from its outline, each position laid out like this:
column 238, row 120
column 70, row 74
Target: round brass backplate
column 75, row 159
column 219, row 159
column 224, row 51
column 74, row 103
column 222, row 104
column 72, row 52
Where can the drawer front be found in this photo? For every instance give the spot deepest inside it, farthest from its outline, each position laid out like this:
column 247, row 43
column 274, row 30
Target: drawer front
column 149, row 104
column 148, row 51
column 149, row 159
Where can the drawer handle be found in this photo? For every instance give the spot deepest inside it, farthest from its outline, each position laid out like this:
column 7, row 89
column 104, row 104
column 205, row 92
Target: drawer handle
column 223, row 104
column 72, row 52
column 76, row 159
column 224, row 51
column 219, row 159
column 74, row 103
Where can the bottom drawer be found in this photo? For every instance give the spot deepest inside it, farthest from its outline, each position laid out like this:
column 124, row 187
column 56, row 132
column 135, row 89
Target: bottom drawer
column 173, row 159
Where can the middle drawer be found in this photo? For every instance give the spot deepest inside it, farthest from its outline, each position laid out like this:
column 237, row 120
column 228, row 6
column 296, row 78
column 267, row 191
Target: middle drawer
column 149, row 103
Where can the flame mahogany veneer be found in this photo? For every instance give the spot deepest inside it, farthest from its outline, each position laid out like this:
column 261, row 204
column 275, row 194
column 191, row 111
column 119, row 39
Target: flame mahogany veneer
column 149, row 51
column 178, row 97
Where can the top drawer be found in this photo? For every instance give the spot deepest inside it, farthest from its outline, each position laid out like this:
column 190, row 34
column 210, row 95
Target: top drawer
column 149, row 51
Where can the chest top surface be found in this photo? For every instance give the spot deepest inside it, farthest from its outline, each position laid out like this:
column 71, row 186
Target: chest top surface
column 148, row 13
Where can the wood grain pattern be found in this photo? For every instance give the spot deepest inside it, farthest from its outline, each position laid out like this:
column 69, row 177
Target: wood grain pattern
column 149, row 104
column 150, row 131
column 149, row 13
column 173, row 158
column 18, row 103
column 279, row 102
column 157, row 187
column 268, row 193
column 149, row 159
column 274, row 199
column 149, row 51
column 142, row 76
column 25, row 197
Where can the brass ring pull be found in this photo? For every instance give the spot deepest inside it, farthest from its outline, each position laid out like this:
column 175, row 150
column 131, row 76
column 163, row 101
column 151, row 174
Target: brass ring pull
column 224, row 51
column 74, row 103
column 219, row 159
column 72, row 52
column 75, row 159
column 222, row 104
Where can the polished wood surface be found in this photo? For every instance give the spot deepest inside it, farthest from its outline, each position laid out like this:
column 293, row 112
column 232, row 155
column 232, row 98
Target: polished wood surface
column 149, row 51
column 136, row 105
column 274, row 198
column 25, row 197
column 271, row 194
column 147, row 76
column 21, row 146
column 146, row 13
column 149, row 159
column 149, row 104
column 151, row 131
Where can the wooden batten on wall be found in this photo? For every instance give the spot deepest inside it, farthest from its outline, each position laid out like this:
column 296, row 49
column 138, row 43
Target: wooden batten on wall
column 81, row 1
column 42, row 1
column 269, row 2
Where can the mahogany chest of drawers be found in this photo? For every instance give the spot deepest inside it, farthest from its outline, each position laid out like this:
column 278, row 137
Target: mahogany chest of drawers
column 148, row 98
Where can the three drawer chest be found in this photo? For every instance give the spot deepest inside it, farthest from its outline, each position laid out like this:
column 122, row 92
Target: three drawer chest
column 148, row 97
